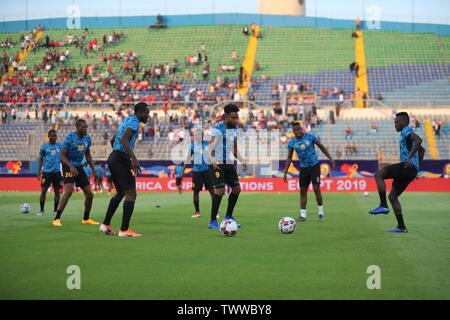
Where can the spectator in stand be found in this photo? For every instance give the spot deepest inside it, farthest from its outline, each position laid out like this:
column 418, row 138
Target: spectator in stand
column 338, row 109
column 358, row 24
column 354, row 67
column 245, row 30
column 338, row 152
column 373, row 128
column 348, row 133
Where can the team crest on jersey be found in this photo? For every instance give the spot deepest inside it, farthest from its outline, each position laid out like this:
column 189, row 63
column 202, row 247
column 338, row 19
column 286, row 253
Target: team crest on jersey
column 302, row 146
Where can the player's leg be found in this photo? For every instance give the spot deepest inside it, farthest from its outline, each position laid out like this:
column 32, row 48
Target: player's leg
column 218, row 183
column 196, row 200
column 128, row 208
column 89, row 198
column 68, row 190
column 319, row 199
column 315, row 180
column 305, row 179
column 57, row 185
column 387, row 172
column 303, row 202
column 42, row 197
column 232, row 180
column 393, row 199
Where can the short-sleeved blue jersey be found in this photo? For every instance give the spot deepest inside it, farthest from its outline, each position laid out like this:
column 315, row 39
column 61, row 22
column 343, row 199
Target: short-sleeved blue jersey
column 131, row 122
column 179, row 171
column 406, row 146
column 200, row 156
column 51, row 152
column 305, row 149
column 76, row 147
column 225, row 143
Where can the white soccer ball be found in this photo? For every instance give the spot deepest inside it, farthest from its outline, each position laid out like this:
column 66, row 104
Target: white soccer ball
column 366, row 194
column 25, row 207
column 228, row 227
column 287, row 225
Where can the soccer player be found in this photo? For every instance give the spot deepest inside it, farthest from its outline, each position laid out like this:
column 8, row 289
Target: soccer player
column 108, row 179
column 100, row 172
column 179, row 172
column 76, row 146
column 124, row 166
column 411, row 156
column 49, row 157
column 223, row 169
column 303, row 144
column 201, row 174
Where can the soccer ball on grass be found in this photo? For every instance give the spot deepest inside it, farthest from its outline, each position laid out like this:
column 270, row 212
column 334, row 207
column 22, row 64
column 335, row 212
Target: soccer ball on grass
column 287, row 225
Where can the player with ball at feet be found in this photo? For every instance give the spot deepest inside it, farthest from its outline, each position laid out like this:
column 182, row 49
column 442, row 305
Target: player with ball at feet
column 303, row 144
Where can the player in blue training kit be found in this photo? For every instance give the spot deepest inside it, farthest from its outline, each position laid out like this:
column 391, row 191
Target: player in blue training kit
column 411, row 156
column 303, row 144
column 179, row 172
column 76, row 147
column 100, row 173
column 201, row 174
column 108, row 178
column 223, row 170
column 124, row 166
column 50, row 174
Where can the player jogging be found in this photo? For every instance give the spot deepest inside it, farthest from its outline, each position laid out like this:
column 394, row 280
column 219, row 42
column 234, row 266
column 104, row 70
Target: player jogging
column 411, row 156
column 76, row 146
column 124, row 166
column 303, row 144
column 179, row 172
column 223, row 169
column 51, row 174
column 98, row 181
column 201, row 174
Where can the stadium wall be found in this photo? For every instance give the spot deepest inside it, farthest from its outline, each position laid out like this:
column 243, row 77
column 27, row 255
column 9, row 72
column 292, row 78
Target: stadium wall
column 220, row 19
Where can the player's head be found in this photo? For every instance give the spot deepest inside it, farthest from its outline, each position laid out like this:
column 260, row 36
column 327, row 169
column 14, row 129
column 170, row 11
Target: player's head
column 231, row 116
column 52, row 136
column 81, row 126
column 141, row 111
column 297, row 130
column 401, row 121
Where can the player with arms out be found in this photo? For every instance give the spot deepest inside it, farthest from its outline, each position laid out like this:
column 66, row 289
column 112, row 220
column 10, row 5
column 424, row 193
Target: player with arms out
column 303, row 144
column 76, row 146
column 411, row 157
column 223, row 169
column 49, row 158
column 124, row 166
column 201, row 174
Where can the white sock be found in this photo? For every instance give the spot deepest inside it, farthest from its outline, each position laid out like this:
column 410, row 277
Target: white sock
column 303, row 213
column 320, row 210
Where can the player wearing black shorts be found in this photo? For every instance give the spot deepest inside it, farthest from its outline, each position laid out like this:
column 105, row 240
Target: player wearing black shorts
column 411, row 157
column 124, row 166
column 50, row 174
column 223, row 170
column 201, row 174
column 303, row 144
column 76, row 147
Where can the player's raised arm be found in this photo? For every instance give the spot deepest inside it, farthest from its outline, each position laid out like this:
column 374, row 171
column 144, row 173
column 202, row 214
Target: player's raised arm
column 416, row 144
column 125, row 141
column 325, row 152
column 288, row 164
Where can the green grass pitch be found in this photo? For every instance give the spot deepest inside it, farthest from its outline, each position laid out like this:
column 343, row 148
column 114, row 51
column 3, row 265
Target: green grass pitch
column 180, row 258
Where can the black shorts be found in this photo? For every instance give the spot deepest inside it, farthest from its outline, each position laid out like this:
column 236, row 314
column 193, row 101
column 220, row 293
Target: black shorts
column 226, row 174
column 200, row 179
column 98, row 180
column 51, row 178
column 309, row 175
column 122, row 173
column 178, row 181
column 109, row 179
column 81, row 180
column 402, row 176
